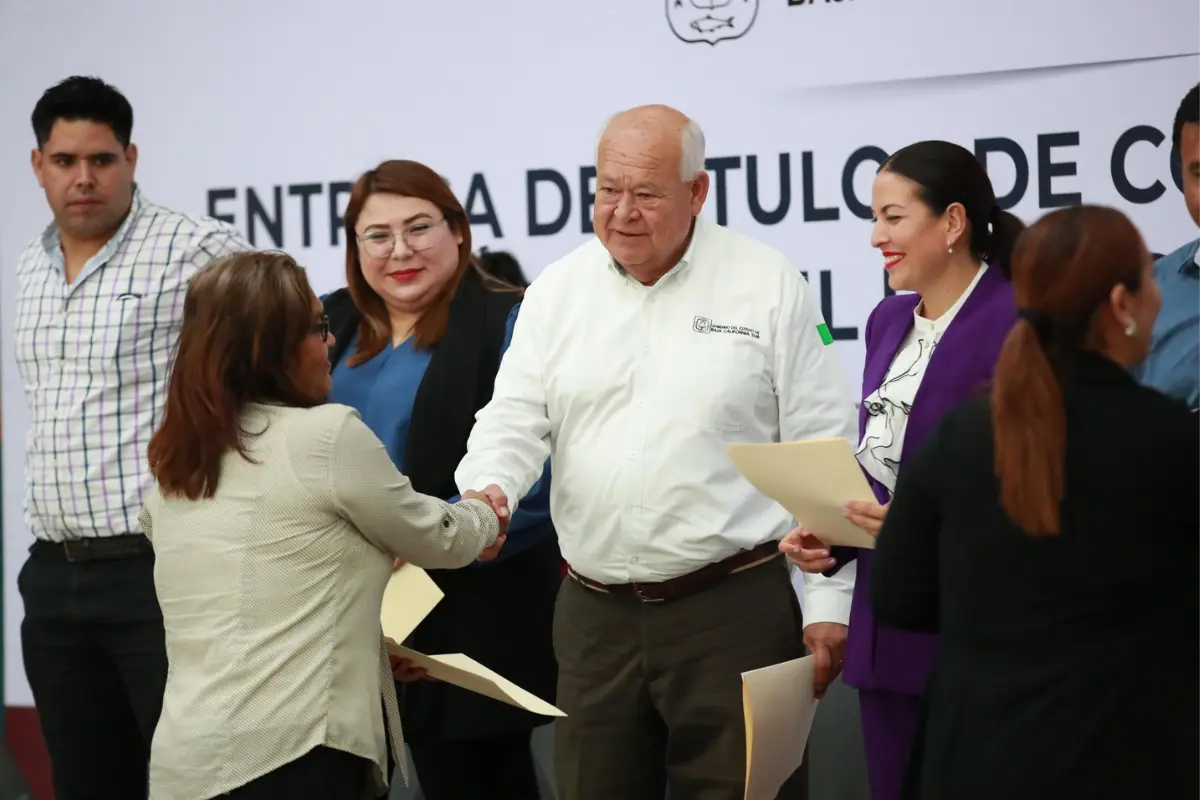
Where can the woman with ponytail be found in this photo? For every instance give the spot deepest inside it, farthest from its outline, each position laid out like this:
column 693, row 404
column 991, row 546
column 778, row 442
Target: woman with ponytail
column 944, row 239
column 1048, row 533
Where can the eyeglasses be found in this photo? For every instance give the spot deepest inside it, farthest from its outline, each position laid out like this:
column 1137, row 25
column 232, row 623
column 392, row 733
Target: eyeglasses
column 381, row 243
column 321, row 328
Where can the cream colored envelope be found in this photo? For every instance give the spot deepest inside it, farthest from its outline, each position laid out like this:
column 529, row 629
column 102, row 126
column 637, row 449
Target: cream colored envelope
column 465, row 672
column 813, row 480
column 779, row 706
column 409, row 597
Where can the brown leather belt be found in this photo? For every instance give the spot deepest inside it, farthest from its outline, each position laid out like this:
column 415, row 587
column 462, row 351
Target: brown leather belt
column 687, row 584
column 101, row 548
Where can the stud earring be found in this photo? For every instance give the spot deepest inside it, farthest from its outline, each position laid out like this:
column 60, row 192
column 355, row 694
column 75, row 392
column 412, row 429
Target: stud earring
column 1131, row 328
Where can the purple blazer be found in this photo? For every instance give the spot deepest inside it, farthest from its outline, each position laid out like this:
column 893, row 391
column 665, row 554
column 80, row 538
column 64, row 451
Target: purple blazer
column 885, row 658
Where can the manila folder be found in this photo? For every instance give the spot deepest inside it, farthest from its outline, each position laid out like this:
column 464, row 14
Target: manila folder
column 469, row 674
column 778, row 704
column 407, row 600
column 813, row 480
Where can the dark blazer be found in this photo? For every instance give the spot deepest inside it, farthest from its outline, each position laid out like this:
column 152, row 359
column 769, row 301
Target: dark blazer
column 502, row 615
column 878, row 657
column 1069, row 665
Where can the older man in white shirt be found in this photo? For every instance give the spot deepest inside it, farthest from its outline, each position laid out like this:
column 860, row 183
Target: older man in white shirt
column 635, row 360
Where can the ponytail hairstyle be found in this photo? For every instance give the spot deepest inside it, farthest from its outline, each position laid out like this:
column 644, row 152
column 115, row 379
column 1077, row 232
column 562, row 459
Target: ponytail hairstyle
column 947, row 173
column 1065, row 267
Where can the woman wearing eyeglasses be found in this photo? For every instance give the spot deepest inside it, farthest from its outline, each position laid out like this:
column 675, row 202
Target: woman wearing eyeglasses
column 275, row 519
column 420, row 333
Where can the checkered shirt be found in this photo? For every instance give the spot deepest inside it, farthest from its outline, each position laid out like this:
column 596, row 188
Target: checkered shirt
column 94, row 357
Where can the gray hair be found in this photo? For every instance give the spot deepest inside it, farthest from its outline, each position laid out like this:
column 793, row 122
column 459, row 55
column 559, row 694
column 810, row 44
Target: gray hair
column 691, row 148
column 691, row 162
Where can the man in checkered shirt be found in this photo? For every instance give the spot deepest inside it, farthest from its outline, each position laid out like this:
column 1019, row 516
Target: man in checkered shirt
column 98, row 311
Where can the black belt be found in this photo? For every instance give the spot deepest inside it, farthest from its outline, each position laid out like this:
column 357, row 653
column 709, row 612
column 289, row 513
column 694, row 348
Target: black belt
column 684, row 585
column 101, row 548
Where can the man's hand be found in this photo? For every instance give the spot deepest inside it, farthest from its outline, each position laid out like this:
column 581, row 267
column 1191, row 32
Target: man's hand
column 495, row 498
column 826, row 641
column 806, row 551
column 866, row 515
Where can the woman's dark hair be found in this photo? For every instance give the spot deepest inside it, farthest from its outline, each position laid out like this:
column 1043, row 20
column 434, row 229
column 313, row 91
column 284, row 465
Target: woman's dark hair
column 1064, row 269
column 244, row 319
column 407, row 179
column 82, row 98
column 503, row 266
column 947, row 173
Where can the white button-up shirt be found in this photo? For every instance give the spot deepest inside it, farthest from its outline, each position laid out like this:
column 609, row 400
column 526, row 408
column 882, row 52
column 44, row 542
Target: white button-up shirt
column 636, row 390
column 94, row 356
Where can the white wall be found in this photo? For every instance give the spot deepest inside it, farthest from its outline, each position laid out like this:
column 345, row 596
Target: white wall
column 273, row 95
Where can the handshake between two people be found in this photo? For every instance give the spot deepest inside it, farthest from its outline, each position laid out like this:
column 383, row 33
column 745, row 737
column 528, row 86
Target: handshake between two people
column 496, row 500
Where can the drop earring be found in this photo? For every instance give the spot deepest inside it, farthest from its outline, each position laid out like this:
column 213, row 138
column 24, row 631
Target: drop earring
column 949, row 249
column 1131, row 328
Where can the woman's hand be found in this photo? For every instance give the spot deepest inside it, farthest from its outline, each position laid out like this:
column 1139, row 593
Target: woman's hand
column 866, row 515
column 405, row 672
column 489, row 553
column 806, row 551
column 402, row 668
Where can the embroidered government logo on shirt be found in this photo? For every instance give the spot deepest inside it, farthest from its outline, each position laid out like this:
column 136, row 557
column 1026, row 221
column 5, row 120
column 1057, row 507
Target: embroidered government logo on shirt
column 706, row 325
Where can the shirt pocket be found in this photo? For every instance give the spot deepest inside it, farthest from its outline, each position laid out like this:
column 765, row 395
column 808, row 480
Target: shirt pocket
column 133, row 340
column 719, row 388
column 125, row 317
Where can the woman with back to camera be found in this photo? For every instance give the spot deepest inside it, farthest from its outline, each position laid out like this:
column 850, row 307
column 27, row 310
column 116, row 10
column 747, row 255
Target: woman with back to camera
column 944, row 238
column 275, row 522
column 1049, row 534
column 421, row 330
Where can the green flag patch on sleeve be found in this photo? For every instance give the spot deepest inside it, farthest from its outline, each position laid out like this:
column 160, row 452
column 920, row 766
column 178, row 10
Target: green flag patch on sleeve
column 826, row 336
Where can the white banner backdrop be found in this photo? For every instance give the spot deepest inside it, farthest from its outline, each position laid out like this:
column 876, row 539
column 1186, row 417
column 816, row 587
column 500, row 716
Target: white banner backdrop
column 263, row 113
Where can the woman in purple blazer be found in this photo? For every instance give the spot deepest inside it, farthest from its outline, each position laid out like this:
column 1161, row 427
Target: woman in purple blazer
column 944, row 239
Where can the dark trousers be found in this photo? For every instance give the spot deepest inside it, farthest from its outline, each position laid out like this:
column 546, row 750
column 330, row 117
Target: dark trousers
column 320, row 774
column 500, row 768
column 653, row 691
column 92, row 640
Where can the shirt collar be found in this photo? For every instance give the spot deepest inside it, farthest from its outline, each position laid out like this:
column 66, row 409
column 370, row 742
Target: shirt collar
column 52, row 240
column 943, row 322
column 689, row 255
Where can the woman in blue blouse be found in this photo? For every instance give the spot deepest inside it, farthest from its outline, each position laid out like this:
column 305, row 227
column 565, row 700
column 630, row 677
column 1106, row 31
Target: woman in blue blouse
column 421, row 331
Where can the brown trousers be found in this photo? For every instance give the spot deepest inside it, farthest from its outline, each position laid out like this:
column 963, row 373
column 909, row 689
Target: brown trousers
column 653, row 691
